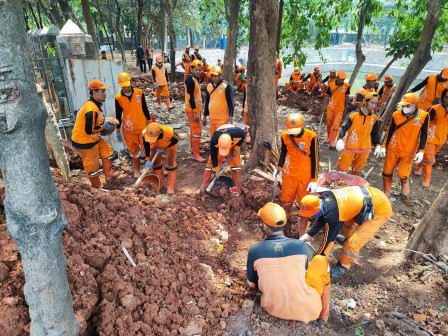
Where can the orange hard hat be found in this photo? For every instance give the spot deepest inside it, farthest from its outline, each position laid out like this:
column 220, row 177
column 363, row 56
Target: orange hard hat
column 219, row 60
column 444, row 73
column 159, row 59
column 196, row 63
column 124, row 79
column 371, row 76
column 95, row 84
column 294, row 123
column 224, row 144
column 408, row 98
column 388, row 78
column 241, row 68
column 187, row 47
column 272, row 215
column 196, row 48
column 316, row 68
column 151, row 132
column 342, row 75
column 215, row 70
column 333, row 70
column 370, row 95
column 296, row 71
column 310, row 205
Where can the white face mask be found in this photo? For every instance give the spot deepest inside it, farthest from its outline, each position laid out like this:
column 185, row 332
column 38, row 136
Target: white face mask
column 408, row 109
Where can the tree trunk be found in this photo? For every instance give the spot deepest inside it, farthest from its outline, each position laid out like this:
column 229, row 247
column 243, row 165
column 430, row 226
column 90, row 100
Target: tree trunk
column 388, row 65
column 89, row 23
column 279, row 25
column 111, row 47
column 54, row 9
column 261, row 79
column 163, row 25
column 421, row 57
column 431, row 234
column 232, row 12
column 32, row 203
column 34, row 16
column 169, row 10
column 139, row 22
column 39, row 15
column 68, row 13
column 360, row 57
column 188, row 36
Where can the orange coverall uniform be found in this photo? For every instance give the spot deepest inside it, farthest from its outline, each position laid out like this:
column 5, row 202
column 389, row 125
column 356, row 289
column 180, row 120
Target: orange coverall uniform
column 361, row 131
column 384, row 93
column 133, row 115
column 313, row 80
column 86, row 137
column 168, row 140
column 360, row 211
column 278, row 71
column 335, row 108
column 204, row 77
column 403, row 143
column 361, row 94
column 295, row 83
column 193, row 103
column 433, row 86
column 300, row 295
column 240, row 82
column 437, row 135
column 219, row 104
column 186, row 65
column 328, row 79
column 160, row 76
column 299, row 167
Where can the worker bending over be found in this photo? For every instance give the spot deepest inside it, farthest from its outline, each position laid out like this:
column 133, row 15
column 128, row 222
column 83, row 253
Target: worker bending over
column 360, row 211
column 361, row 127
column 315, row 83
column 86, row 137
column 437, row 134
column 161, row 81
column 162, row 139
column 405, row 141
column 295, row 83
column 278, row 267
column 225, row 143
column 329, row 79
column 432, row 86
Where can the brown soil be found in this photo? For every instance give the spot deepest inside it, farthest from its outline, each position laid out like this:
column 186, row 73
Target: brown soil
column 341, row 183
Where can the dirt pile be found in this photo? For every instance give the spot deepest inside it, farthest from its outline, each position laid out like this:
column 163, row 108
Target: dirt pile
column 311, row 105
column 341, row 183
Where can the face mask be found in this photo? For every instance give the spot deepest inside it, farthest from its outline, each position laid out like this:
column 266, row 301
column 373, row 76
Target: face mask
column 407, row 109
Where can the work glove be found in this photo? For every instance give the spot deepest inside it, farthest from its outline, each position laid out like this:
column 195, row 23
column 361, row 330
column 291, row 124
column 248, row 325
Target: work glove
column 305, row 237
column 277, row 175
column 160, row 150
column 311, row 187
column 418, row 157
column 377, row 152
column 383, row 152
column 108, row 127
column 119, row 136
column 148, row 164
column 156, row 86
column 340, row 145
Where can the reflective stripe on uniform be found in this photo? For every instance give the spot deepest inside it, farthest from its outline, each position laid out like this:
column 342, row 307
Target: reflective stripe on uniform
column 350, row 254
column 236, row 168
column 349, row 227
column 95, row 173
column 196, row 136
column 208, row 168
column 135, row 156
column 429, row 162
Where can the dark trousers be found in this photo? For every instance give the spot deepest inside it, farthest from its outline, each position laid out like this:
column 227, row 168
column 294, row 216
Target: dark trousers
column 142, row 65
column 149, row 63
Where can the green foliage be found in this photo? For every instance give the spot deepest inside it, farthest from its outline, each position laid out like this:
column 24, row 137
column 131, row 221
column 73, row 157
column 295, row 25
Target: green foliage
column 51, row 51
column 442, row 308
column 359, row 331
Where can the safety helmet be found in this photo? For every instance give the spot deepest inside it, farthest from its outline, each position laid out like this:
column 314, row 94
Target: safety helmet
column 224, row 144
column 370, row 95
column 272, row 215
column 159, row 59
column 333, row 70
column 310, row 205
column 196, row 63
column 215, row 70
column 371, row 76
column 444, row 73
column 151, row 132
column 187, row 47
column 296, row 71
column 196, row 48
column 294, row 123
column 241, row 68
column 388, row 78
column 408, row 98
column 342, row 75
column 316, row 68
column 124, row 79
column 95, row 84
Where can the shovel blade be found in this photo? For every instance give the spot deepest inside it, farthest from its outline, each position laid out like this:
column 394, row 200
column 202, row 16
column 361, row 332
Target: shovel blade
column 153, row 180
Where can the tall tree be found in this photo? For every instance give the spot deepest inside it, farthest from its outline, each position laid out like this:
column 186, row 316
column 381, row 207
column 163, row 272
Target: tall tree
column 279, row 25
column 169, row 10
column 56, row 14
column 163, row 26
column 260, row 79
column 85, row 4
column 232, row 8
column 139, row 22
column 33, row 207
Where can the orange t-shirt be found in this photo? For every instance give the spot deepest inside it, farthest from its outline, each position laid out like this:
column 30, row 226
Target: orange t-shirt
column 337, row 97
column 438, row 127
column 430, row 92
column 133, row 119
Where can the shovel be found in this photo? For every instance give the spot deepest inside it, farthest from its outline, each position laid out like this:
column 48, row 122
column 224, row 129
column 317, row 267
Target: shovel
column 274, row 188
column 221, row 179
column 152, row 178
column 269, row 148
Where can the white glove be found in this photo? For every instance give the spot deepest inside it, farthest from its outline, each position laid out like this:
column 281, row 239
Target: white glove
column 377, row 152
column 418, row 157
column 312, row 186
column 383, row 152
column 340, row 145
column 305, row 237
column 277, row 175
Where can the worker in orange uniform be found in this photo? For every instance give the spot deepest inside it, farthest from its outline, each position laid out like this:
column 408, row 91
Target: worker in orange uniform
column 361, row 127
column 315, row 83
column 278, row 70
column 162, row 139
column 186, row 60
column 360, row 211
column 278, row 267
column 161, row 81
column 298, row 163
column 193, row 106
column 386, row 90
column 437, row 135
column 225, row 143
column 133, row 115
column 295, row 83
column 240, row 81
column 329, row 79
column 335, row 103
column 196, row 55
column 204, row 76
column 405, row 141
column 432, row 86
column 371, row 81
column 219, row 101
column 86, row 135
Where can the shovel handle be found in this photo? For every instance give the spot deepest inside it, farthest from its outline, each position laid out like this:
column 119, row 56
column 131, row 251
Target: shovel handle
column 145, row 172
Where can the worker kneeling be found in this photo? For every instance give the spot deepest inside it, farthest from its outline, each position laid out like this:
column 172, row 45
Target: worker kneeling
column 277, row 266
column 162, row 139
column 360, row 211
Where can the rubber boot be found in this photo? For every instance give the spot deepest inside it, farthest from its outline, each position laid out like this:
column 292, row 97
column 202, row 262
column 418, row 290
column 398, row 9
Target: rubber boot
column 159, row 101
column 168, row 104
column 171, row 181
column 196, row 150
column 302, row 226
column 387, row 185
column 287, row 208
column 328, row 134
column 418, row 169
column 205, row 180
column 159, row 173
column 235, row 177
column 426, row 176
column 333, row 135
column 136, row 164
column 405, row 187
column 107, row 169
column 95, row 181
column 354, row 173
